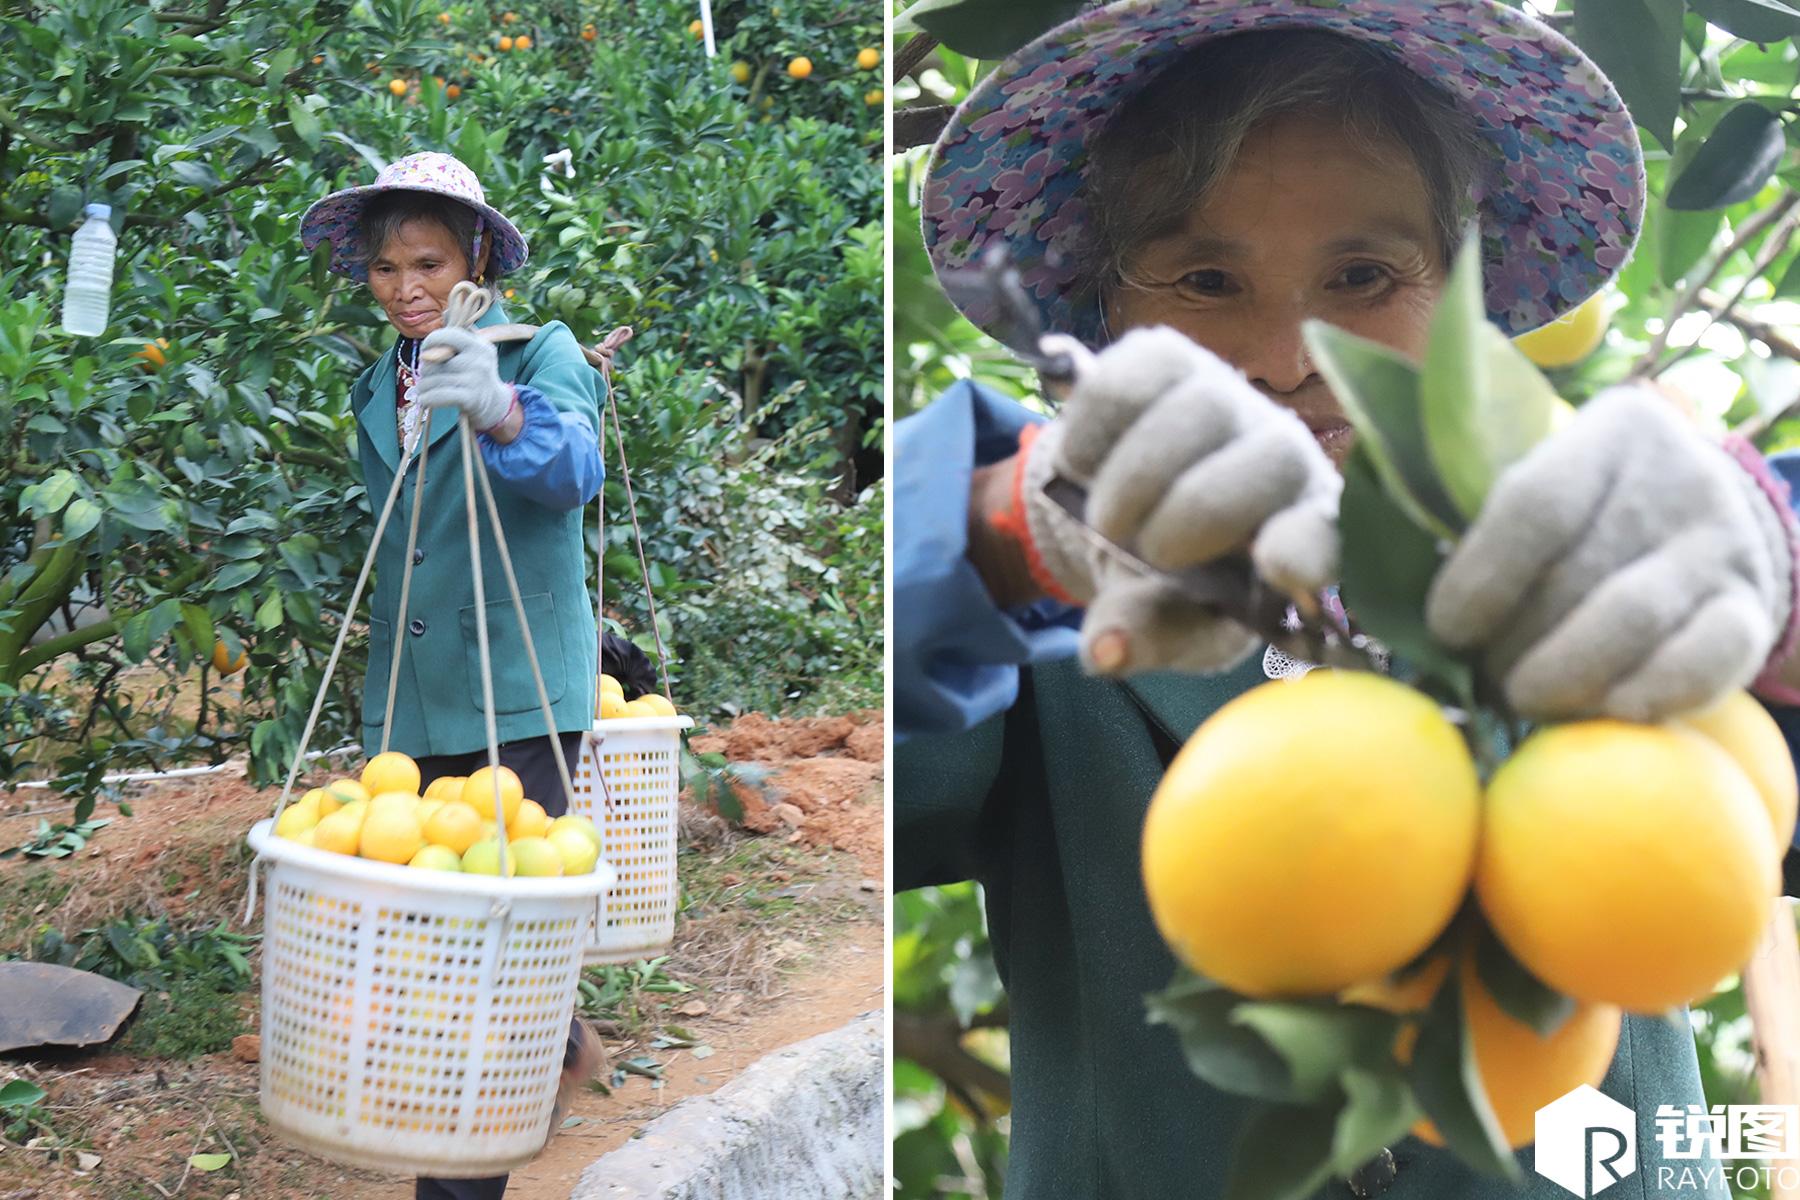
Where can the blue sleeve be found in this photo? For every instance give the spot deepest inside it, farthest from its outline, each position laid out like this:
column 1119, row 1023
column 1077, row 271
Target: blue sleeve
column 956, row 654
column 1787, row 468
column 555, row 460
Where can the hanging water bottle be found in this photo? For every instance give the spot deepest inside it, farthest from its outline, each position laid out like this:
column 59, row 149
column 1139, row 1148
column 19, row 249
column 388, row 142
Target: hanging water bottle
column 89, row 291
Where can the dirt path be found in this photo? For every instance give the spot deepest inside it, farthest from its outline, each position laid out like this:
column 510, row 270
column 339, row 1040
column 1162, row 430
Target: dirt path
column 780, row 937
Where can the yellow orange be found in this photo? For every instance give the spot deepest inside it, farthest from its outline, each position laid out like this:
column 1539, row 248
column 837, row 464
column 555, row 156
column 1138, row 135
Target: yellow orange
column 391, row 772
column 1744, row 729
column 397, row 86
column 530, row 821
column 612, row 705
column 478, row 792
column 224, row 663
column 153, row 356
column 1313, row 833
column 454, row 826
column 1626, row 864
column 800, row 67
column 390, row 835
column 868, row 58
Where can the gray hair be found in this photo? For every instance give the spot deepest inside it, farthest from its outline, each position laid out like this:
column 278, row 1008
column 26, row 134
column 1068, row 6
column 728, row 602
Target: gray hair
column 1192, row 120
column 385, row 213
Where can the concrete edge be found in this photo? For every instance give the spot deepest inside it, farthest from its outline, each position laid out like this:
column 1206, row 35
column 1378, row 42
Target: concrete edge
column 801, row 1123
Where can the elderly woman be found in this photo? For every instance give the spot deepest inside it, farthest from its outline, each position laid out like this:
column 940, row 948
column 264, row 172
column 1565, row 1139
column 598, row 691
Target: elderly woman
column 1181, row 174
column 423, row 227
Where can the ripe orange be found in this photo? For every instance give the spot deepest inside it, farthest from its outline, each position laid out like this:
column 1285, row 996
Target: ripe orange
column 153, row 356
column 453, row 91
column 868, row 58
column 1339, row 867
column 589, row 34
column 522, row 42
column 317, row 59
column 224, row 664
column 506, row 43
column 1626, row 864
column 800, row 68
column 443, row 18
column 509, row 18
column 740, row 71
column 510, row 293
column 391, row 772
column 397, row 86
column 478, row 793
column 874, row 96
column 455, row 826
column 697, row 28
column 1521, row 1071
column 1749, row 734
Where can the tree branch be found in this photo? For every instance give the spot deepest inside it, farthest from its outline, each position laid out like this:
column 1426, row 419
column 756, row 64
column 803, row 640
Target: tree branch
column 10, row 120
column 1747, row 233
column 935, row 1043
column 920, row 126
column 909, row 56
column 1771, row 249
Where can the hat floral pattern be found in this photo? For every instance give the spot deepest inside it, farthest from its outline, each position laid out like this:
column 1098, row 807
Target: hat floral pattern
column 335, row 218
column 1560, row 208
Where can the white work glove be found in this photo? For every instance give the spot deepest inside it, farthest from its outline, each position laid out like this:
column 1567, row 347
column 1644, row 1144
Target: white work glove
column 1184, row 463
column 1626, row 567
column 468, row 382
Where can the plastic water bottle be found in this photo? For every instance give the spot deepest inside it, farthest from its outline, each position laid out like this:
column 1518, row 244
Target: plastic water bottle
column 89, row 291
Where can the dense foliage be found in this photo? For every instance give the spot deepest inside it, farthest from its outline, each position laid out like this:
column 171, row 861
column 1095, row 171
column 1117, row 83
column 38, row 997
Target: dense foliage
column 214, row 497
column 1705, row 306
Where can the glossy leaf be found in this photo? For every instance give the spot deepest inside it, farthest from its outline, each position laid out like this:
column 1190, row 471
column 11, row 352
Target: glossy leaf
column 1753, row 20
column 986, row 28
column 1637, row 43
column 1447, row 1086
column 1734, row 164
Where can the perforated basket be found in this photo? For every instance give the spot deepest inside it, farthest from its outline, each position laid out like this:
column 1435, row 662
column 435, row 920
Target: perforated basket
column 415, row 1021
column 641, row 760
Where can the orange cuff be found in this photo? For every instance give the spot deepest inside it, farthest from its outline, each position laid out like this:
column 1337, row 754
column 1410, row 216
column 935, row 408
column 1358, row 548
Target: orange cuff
column 1011, row 523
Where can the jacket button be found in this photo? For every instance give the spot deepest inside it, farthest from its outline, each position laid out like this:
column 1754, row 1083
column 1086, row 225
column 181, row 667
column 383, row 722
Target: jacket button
column 417, row 626
column 418, row 556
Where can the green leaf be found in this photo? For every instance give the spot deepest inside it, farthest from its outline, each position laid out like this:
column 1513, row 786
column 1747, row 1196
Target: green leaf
column 135, row 637
column 1318, row 1042
column 1734, row 163
column 306, row 125
column 63, row 207
column 1520, row 994
column 986, row 28
column 1379, row 1111
column 1447, row 1085
column 1379, row 392
column 1283, row 1152
column 199, row 624
column 1388, row 566
column 234, row 575
column 1753, row 20
column 81, row 518
column 208, row 1162
column 1637, row 43
column 1485, row 405
column 269, row 615
column 49, row 496
column 1227, row 1055
column 20, row 1094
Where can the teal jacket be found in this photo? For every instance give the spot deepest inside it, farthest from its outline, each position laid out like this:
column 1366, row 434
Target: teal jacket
column 438, row 702
column 1043, row 802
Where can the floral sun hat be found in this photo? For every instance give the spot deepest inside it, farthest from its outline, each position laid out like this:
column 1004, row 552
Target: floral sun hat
column 1560, row 207
column 335, row 218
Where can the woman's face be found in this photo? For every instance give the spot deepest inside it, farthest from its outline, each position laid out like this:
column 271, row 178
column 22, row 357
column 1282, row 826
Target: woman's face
column 413, row 275
column 1303, row 225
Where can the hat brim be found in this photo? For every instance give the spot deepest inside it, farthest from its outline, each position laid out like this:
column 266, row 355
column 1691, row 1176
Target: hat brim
column 337, row 218
column 1560, row 208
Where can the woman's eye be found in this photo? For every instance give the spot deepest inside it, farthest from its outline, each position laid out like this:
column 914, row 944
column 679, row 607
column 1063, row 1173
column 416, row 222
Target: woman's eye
column 1363, row 275
column 1205, row 283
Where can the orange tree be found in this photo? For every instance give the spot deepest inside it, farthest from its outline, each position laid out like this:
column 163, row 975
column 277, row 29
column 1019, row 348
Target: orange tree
column 205, row 491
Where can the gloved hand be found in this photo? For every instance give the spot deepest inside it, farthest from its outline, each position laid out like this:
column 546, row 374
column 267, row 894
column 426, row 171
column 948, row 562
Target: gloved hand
column 1626, row 567
column 1184, row 462
column 468, row 382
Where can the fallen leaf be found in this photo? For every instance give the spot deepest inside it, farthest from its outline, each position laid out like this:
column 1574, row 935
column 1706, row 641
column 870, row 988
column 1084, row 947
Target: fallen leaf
column 85, row 1161
column 703, row 1051
column 571, row 1122
column 694, row 1008
column 208, row 1162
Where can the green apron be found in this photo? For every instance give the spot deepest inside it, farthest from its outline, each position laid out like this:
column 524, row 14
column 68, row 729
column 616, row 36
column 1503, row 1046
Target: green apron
column 438, row 704
column 1044, row 805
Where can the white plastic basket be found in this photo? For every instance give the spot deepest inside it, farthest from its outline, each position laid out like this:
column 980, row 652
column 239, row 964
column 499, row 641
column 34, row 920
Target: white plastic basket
column 641, row 760
column 415, row 1021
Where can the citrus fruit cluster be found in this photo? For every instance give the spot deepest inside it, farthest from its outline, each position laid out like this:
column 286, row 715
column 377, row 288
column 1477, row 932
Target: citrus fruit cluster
column 450, row 827
column 613, row 703
column 1318, row 838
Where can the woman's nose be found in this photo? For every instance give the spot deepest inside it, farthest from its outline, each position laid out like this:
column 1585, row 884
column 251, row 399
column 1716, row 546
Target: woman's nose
column 1275, row 356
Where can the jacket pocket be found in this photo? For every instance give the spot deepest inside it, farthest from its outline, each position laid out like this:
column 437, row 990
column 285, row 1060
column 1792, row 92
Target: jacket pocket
column 514, row 690
column 375, row 680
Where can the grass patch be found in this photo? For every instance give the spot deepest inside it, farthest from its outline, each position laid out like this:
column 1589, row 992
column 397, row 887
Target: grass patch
column 195, row 1016
column 24, row 891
